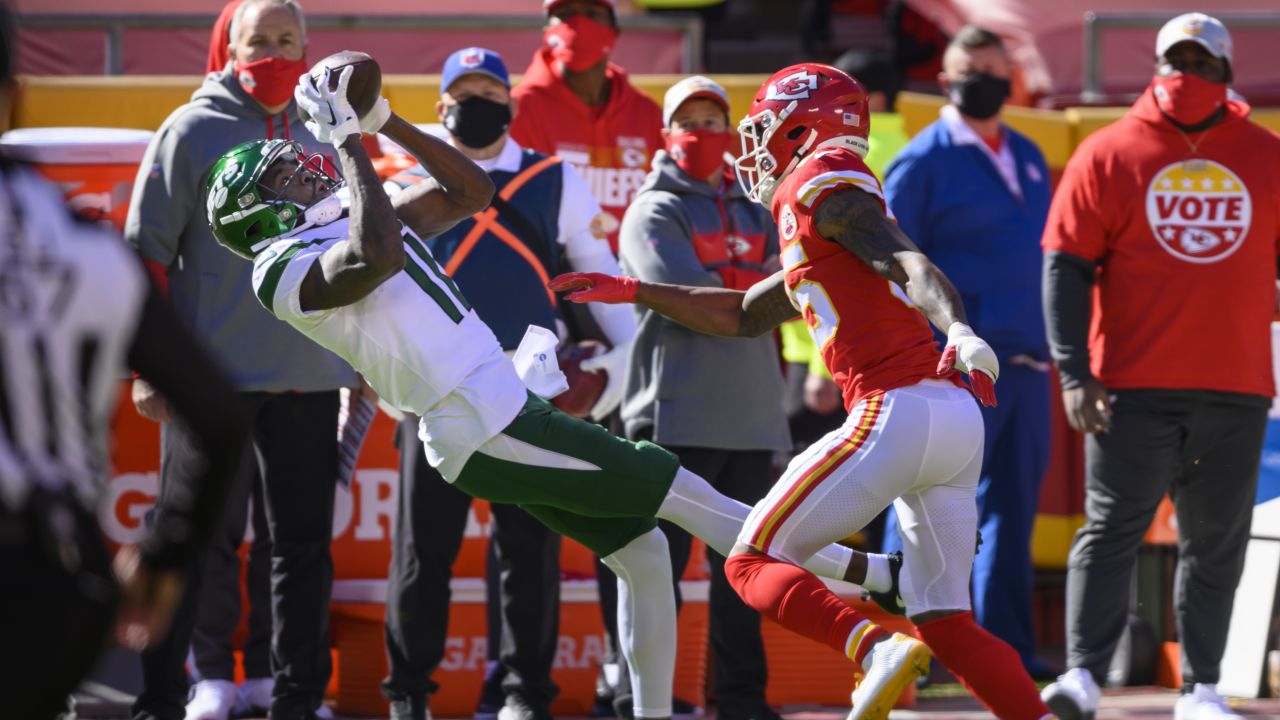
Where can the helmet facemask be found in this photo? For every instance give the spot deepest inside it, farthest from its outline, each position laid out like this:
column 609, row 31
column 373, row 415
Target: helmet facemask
column 759, row 171
column 247, row 215
column 321, row 211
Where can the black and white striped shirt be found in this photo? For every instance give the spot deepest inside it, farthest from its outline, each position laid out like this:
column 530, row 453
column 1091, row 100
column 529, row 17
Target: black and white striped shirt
column 77, row 310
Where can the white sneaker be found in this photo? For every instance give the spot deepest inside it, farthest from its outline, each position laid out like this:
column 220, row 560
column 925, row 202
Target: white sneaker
column 212, row 700
column 1203, row 703
column 1074, row 696
column 255, row 696
column 891, row 666
column 324, row 712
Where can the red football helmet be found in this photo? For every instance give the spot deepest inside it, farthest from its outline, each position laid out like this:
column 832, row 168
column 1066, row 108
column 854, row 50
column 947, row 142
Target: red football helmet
column 799, row 109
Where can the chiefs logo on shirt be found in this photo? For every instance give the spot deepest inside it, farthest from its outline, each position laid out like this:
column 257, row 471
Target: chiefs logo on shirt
column 1199, row 210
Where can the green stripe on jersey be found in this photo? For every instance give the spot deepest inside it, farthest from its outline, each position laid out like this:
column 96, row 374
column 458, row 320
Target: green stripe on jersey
column 436, row 292
column 421, row 251
column 267, row 290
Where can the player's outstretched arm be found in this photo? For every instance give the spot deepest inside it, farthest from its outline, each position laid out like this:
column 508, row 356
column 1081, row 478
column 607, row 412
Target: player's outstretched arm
column 856, row 220
column 373, row 249
column 457, row 188
column 714, row 311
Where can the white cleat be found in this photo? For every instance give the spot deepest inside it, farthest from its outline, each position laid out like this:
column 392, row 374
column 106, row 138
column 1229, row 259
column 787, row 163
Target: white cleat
column 212, row 700
column 1203, row 703
column 1073, row 696
column 891, row 666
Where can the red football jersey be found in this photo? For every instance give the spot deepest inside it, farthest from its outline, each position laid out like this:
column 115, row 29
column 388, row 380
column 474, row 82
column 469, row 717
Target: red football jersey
column 871, row 337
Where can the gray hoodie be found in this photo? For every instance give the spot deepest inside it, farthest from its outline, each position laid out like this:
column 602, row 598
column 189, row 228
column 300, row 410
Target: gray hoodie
column 210, row 286
column 696, row 390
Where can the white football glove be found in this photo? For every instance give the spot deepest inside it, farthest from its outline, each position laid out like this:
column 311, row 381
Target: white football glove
column 970, row 354
column 377, row 116
column 332, row 118
column 614, row 364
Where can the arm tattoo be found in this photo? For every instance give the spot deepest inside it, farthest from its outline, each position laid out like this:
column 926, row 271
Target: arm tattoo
column 856, row 221
column 765, row 307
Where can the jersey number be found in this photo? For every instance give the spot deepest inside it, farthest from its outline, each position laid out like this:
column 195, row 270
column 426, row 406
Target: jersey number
column 427, row 274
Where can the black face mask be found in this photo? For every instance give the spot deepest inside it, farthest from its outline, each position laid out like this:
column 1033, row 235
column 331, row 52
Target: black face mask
column 979, row 95
column 477, row 122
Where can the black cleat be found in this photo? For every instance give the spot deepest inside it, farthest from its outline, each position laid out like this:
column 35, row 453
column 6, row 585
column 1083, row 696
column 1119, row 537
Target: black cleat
column 891, row 600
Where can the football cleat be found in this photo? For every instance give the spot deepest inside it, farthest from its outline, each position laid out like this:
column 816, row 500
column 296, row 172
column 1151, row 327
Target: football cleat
column 890, row 600
column 890, row 666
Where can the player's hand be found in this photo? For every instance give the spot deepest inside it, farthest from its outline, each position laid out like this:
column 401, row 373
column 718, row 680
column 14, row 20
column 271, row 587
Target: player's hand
column 971, row 354
column 148, row 600
column 333, row 119
column 378, row 115
column 596, row 287
column 149, row 403
column 614, row 364
column 1088, row 407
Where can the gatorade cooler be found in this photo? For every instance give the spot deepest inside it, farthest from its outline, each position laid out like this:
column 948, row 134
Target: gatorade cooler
column 95, row 166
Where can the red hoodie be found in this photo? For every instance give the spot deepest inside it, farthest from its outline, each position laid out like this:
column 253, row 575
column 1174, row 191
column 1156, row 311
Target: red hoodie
column 611, row 146
column 1186, row 242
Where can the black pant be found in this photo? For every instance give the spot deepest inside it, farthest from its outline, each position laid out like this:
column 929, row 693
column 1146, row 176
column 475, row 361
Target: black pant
column 295, row 449
column 431, row 516
column 740, row 666
column 1204, row 450
column 218, row 612
column 57, row 606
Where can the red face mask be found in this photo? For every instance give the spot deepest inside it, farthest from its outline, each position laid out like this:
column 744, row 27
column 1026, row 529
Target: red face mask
column 700, row 153
column 580, row 42
column 1187, row 98
column 270, row 81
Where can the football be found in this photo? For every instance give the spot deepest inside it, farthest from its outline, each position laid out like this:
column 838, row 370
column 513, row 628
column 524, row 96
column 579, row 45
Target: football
column 585, row 388
column 366, row 79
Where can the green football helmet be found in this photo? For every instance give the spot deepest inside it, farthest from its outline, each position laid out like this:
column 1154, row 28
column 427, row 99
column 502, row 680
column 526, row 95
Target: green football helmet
column 246, row 216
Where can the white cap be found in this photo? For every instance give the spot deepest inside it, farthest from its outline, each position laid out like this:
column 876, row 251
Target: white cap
column 1207, row 32
column 689, row 88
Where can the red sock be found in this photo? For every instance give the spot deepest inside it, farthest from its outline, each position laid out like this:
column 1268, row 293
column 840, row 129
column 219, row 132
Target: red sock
column 797, row 600
column 986, row 665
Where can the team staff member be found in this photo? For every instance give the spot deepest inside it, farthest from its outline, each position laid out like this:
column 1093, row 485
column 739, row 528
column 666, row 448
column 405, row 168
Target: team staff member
column 288, row 385
column 714, row 402
column 985, row 235
column 542, row 213
column 577, row 104
column 1170, row 219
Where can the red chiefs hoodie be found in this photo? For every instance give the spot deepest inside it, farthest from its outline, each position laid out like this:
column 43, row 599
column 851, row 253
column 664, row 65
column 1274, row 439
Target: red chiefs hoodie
column 611, row 146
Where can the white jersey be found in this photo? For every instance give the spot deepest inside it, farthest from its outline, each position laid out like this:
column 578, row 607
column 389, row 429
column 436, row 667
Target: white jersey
column 415, row 339
column 71, row 303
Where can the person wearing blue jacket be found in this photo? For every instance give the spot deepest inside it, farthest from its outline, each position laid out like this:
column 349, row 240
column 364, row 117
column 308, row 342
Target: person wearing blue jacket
column 974, row 196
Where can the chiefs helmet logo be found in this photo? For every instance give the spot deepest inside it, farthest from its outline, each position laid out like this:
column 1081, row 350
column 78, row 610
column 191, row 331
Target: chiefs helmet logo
column 795, row 86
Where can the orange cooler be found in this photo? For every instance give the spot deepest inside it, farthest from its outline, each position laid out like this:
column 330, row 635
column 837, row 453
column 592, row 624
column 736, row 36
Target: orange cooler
column 96, row 167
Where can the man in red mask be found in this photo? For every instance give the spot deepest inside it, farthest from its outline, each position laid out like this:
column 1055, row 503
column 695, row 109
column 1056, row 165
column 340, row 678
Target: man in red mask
column 288, row 387
column 1160, row 288
column 577, row 104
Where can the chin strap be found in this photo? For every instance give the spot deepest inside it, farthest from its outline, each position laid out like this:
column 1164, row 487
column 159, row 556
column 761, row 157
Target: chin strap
column 321, row 213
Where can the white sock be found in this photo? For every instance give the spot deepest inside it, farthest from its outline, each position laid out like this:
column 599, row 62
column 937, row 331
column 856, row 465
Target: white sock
column 647, row 621
column 717, row 520
column 879, row 578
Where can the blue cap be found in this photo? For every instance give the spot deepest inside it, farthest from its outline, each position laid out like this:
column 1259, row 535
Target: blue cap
column 473, row 60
